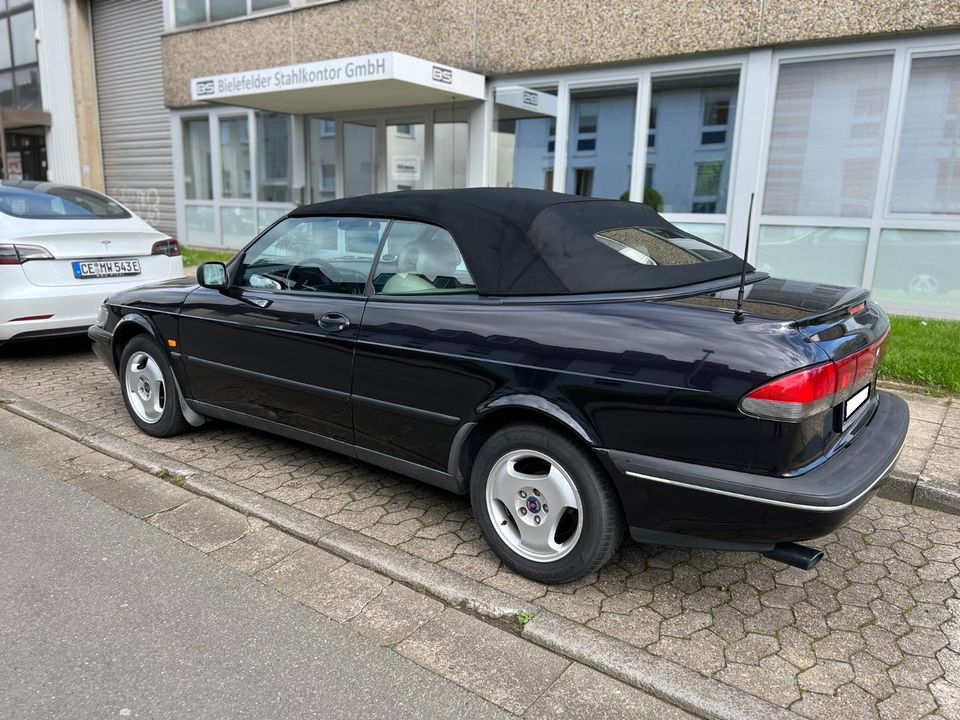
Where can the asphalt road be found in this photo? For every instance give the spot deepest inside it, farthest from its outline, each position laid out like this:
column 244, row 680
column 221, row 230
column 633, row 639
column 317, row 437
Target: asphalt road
column 104, row 616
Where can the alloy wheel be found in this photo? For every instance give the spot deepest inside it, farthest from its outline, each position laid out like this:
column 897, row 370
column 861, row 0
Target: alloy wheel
column 534, row 505
column 145, row 388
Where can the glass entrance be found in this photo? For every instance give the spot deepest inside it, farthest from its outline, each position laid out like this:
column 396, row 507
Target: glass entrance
column 396, row 150
column 359, row 158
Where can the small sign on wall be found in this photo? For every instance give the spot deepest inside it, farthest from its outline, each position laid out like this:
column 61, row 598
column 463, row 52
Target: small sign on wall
column 406, row 168
column 14, row 166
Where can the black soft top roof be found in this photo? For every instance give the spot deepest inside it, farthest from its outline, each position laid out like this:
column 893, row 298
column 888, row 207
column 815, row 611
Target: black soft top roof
column 530, row 242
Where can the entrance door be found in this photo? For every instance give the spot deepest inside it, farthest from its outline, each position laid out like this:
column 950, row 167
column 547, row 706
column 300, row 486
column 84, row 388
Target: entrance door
column 359, row 157
column 406, row 154
column 379, row 153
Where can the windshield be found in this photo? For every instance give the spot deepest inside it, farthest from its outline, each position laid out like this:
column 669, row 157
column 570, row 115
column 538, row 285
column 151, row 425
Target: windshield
column 51, row 202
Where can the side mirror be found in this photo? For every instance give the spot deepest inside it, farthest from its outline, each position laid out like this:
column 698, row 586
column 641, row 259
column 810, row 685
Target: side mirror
column 212, row 275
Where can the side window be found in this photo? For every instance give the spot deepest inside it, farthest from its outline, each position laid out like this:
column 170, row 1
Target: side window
column 314, row 254
column 421, row 259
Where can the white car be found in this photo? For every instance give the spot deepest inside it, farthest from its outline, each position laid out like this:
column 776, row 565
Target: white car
column 63, row 250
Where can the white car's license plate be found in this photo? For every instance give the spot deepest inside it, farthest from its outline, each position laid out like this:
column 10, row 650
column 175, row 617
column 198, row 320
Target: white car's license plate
column 855, row 402
column 84, row 269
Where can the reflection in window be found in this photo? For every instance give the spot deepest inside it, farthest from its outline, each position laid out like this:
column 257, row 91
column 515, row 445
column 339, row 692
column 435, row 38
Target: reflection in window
column 524, row 137
column 816, row 254
column 322, row 134
column 274, row 151
column 689, row 142
column 191, row 12
column 450, row 136
column 234, row 158
column 236, row 226
column 827, row 136
column 920, row 267
column 20, row 79
column 406, row 153
column 599, row 162
column 196, row 159
column 201, row 226
column 927, row 177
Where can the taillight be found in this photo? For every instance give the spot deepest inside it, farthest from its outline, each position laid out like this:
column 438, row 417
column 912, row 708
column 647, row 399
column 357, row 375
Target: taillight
column 169, row 247
column 19, row 254
column 812, row 390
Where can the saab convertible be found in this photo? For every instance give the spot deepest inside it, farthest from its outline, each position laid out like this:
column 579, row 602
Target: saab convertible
column 580, row 367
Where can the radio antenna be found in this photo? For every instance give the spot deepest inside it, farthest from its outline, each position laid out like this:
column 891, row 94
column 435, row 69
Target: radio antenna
column 738, row 313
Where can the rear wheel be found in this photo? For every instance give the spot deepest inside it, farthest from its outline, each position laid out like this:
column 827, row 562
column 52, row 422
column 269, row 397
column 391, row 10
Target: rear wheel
column 149, row 390
column 544, row 504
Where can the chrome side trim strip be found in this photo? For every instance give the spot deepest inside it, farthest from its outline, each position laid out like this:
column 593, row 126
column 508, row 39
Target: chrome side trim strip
column 768, row 501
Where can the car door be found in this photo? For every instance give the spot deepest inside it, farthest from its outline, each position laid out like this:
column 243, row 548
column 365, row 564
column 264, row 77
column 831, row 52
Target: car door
column 413, row 385
column 276, row 348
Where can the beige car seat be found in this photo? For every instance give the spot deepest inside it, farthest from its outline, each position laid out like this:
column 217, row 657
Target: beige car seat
column 419, row 264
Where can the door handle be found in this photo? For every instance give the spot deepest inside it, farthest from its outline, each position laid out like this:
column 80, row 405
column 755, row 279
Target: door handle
column 334, row 322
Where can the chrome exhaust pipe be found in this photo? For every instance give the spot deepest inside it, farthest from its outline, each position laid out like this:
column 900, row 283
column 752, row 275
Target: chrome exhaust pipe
column 799, row 556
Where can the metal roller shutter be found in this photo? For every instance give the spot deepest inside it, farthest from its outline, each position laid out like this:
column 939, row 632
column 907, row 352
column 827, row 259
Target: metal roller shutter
column 134, row 123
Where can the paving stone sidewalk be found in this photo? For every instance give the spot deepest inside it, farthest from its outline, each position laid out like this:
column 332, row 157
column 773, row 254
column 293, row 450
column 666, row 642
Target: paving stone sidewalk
column 873, row 632
column 487, row 660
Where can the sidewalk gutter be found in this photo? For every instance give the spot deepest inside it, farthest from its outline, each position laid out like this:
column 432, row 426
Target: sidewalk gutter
column 663, row 678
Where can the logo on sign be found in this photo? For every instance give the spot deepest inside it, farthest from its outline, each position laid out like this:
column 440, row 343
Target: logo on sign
column 443, row 75
column 204, row 87
column 530, row 98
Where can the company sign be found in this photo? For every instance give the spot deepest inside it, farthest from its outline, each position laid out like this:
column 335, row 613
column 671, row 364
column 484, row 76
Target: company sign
column 342, row 71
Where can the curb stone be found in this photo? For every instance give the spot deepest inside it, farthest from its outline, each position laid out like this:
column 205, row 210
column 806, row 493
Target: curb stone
column 662, row 678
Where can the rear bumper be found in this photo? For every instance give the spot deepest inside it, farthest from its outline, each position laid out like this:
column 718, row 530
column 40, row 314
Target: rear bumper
column 672, row 502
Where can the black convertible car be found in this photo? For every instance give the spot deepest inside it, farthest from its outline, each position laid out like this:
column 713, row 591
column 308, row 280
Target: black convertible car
column 578, row 366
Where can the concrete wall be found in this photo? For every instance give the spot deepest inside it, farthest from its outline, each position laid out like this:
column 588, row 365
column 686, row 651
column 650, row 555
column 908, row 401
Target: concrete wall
column 497, row 37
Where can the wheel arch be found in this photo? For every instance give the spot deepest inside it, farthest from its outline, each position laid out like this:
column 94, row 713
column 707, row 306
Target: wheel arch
column 506, row 411
column 133, row 325
column 126, row 329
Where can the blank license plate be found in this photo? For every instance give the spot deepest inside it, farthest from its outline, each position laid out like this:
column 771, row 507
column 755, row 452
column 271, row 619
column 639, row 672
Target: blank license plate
column 855, row 402
column 105, row 268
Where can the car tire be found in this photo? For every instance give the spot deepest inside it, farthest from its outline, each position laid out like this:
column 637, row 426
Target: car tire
column 149, row 389
column 545, row 504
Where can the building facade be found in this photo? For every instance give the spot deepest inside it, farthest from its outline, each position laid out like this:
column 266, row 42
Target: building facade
column 842, row 120
column 48, row 125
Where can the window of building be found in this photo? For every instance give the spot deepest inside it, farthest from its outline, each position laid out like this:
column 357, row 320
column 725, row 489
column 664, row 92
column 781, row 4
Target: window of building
column 523, row 141
column 198, row 180
column 827, row 137
column 927, row 176
column 192, row 12
column 274, row 157
column 234, row 158
column 598, row 164
column 584, row 182
column 19, row 72
column 692, row 119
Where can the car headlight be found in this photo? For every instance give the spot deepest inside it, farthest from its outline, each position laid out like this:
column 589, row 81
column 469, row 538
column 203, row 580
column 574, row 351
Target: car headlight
column 102, row 316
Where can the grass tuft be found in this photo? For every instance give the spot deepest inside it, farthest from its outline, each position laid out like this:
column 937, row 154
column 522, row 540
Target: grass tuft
column 924, row 352
column 195, row 256
column 523, row 617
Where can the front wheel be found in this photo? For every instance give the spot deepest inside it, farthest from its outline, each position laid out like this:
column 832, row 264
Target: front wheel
column 544, row 504
column 149, row 390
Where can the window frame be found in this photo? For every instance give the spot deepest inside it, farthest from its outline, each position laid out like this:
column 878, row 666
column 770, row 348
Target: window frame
column 441, row 296
column 236, row 271
column 171, row 15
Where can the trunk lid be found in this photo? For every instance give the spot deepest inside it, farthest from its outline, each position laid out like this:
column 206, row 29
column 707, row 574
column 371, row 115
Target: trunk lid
column 94, row 243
